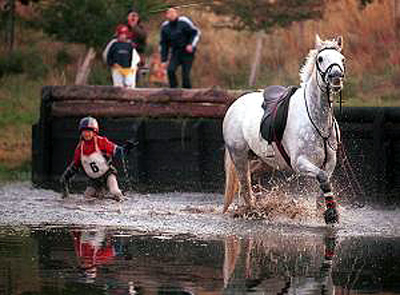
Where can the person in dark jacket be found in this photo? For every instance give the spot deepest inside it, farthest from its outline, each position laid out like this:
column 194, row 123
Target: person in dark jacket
column 179, row 38
column 123, row 59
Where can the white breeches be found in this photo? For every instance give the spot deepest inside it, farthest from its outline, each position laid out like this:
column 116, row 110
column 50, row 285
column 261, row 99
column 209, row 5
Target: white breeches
column 121, row 80
column 112, row 185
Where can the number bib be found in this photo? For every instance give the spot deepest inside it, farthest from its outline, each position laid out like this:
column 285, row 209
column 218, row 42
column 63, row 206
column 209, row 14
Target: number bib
column 95, row 164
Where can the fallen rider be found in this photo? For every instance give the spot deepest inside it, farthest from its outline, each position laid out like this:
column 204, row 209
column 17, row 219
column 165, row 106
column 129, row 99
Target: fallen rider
column 94, row 154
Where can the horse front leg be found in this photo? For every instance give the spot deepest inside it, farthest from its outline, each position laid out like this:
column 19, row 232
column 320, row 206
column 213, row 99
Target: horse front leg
column 331, row 214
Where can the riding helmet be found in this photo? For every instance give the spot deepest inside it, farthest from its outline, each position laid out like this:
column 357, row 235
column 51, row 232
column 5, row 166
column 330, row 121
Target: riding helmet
column 88, row 123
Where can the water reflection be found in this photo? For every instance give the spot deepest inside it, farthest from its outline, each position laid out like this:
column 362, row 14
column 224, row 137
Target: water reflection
column 92, row 250
column 107, row 261
column 297, row 265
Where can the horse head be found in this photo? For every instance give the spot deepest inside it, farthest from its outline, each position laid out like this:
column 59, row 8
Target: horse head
column 330, row 63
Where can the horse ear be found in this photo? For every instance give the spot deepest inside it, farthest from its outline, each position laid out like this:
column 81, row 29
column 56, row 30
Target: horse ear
column 318, row 41
column 339, row 41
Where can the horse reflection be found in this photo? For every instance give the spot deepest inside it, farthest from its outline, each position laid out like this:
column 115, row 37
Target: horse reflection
column 280, row 265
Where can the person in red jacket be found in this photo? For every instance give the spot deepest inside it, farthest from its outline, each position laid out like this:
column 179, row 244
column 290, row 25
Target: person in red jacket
column 93, row 155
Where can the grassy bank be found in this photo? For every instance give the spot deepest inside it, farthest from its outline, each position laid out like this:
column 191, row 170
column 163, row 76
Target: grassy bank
column 19, row 105
column 224, row 59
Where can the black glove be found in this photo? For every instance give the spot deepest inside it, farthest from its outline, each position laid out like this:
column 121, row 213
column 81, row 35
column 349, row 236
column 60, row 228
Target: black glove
column 64, row 188
column 128, row 145
column 65, row 178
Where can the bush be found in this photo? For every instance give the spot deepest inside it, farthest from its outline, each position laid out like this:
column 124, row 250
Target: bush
column 23, row 61
column 11, row 64
column 100, row 74
column 34, row 66
column 63, row 58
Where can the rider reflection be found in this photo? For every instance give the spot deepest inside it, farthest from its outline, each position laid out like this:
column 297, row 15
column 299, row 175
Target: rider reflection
column 92, row 250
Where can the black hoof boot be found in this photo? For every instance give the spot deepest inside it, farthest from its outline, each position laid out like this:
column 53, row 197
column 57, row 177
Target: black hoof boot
column 331, row 216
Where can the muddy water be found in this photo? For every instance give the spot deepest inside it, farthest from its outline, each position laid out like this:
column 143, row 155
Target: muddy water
column 180, row 243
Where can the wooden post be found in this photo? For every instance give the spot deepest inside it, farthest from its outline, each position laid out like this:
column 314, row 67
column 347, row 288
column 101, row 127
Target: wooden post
column 42, row 147
column 257, row 58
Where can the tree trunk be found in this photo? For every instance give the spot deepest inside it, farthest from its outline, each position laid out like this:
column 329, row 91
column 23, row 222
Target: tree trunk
column 85, row 67
column 10, row 25
column 396, row 12
column 257, row 58
column 301, row 36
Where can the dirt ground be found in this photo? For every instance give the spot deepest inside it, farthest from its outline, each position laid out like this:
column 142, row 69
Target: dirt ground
column 194, row 214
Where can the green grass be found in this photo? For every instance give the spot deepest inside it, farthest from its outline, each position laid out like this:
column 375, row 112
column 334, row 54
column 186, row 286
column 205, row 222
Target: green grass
column 19, row 173
column 19, row 109
column 19, row 100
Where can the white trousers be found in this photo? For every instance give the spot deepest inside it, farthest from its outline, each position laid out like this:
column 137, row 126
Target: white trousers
column 112, row 185
column 121, row 80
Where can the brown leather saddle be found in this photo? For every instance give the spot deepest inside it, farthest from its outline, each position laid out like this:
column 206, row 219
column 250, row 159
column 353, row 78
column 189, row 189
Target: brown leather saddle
column 276, row 106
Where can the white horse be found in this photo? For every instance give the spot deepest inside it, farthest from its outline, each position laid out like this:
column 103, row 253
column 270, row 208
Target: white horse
column 310, row 138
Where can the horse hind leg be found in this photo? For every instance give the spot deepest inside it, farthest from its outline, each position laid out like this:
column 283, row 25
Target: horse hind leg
column 241, row 163
column 231, row 181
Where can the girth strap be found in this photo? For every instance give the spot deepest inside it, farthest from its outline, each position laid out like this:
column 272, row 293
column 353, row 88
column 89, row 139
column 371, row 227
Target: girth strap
column 282, row 150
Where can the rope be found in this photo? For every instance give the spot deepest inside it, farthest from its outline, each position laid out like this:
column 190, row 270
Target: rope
column 351, row 178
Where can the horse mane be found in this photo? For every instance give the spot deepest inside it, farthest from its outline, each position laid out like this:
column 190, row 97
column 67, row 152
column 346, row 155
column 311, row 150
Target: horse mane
column 309, row 64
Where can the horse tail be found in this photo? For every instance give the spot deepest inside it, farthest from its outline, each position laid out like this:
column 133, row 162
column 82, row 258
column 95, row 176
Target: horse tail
column 231, row 181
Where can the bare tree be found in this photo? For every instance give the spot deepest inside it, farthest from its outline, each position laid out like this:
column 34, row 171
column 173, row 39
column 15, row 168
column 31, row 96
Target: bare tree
column 396, row 11
column 263, row 16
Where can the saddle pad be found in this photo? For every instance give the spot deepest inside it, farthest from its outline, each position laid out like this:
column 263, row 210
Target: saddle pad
column 276, row 106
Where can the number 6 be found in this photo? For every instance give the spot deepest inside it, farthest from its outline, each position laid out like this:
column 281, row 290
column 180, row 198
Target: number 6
column 94, row 167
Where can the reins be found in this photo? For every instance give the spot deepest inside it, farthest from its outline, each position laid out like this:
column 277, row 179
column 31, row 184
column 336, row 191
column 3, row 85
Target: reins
column 324, row 138
column 312, row 121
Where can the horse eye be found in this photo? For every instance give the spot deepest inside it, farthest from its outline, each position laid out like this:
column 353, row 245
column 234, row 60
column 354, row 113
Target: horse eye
column 320, row 59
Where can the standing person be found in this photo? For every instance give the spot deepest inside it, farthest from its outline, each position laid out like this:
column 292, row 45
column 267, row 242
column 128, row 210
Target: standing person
column 94, row 154
column 180, row 36
column 137, row 34
column 123, row 59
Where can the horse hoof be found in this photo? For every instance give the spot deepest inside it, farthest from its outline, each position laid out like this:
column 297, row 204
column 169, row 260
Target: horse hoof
column 331, row 216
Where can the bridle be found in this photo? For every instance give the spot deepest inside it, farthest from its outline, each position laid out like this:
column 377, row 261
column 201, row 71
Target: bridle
column 323, row 75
